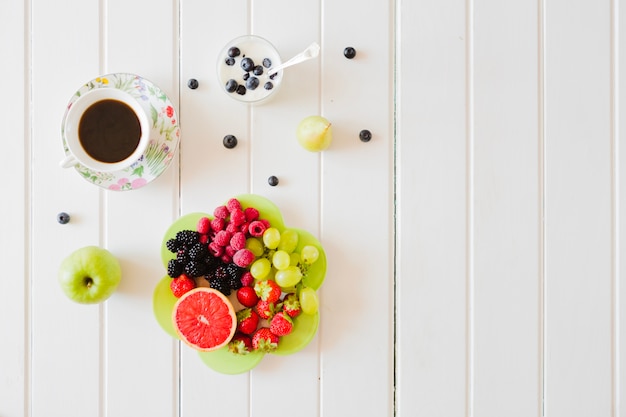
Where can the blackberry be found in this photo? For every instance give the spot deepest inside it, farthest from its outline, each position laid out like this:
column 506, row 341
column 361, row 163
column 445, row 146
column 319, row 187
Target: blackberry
column 195, row 268
column 198, row 251
column 220, row 285
column 211, row 263
column 182, row 255
column 188, row 237
column 172, row 245
column 175, row 268
column 234, row 273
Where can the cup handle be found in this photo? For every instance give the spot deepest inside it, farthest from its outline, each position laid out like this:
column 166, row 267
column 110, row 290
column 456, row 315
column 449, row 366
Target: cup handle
column 68, row 162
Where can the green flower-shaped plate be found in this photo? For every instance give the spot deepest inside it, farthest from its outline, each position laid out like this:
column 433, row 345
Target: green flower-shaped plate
column 305, row 326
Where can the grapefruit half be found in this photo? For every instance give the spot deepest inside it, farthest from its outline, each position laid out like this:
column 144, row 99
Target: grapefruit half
column 204, row 319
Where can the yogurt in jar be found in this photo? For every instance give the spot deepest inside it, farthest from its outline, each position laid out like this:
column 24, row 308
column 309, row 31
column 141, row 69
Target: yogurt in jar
column 243, row 69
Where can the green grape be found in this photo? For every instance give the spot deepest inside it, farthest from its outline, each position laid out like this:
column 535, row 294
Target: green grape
column 288, row 240
column 294, row 258
column 309, row 254
column 260, row 268
column 281, row 259
column 271, row 238
column 288, row 277
column 255, row 246
column 308, row 300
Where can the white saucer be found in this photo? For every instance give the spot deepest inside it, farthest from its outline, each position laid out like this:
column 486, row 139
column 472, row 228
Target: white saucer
column 164, row 137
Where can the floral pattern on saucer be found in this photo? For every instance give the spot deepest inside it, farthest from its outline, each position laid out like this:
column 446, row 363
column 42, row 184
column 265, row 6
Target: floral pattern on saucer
column 164, row 137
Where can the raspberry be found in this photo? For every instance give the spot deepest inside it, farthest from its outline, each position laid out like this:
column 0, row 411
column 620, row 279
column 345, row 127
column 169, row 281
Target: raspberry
column 247, row 280
column 203, row 225
column 237, row 217
column 243, row 258
column 218, row 224
column 229, row 250
column 221, row 212
column 251, row 213
column 204, row 239
column 257, row 228
column 265, row 222
column 244, row 227
column 233, row 204
column 238, row 241
column 215, row 249
column 232, row 228
column 226, row 258
column 222, row 238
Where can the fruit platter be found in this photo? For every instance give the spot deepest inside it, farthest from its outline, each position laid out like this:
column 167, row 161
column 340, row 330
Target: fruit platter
column 239, row 284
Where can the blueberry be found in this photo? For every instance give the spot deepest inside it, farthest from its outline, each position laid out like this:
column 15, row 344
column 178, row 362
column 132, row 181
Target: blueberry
column 273, row 181
column 192, row 83
column 365, row 135
column 268, row 85
column 258, row 70
column 231, row 86
column 233, row 52
column 230, row 61
column 63, row 218
column 245, row 76
column 241, row 90
column 267, row 62
column 230, row 141
column 247, row 64
column 349, row 52
column 252, row 83
column 274, row 75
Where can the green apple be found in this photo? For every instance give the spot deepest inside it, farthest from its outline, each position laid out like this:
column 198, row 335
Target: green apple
column 314, row 133
column 89, row 275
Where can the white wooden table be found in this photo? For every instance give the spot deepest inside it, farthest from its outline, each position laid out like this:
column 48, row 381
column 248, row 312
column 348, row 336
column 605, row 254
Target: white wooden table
column 475, row 244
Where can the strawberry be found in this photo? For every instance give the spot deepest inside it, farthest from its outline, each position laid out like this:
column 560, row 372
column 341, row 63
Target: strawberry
column 181, row 285
column 247, row 296
column 240, row 344
column 264, row 340
column 247, row 321
column 291, row 305
column 268, row 290
column 265, row 310
column 281, row 324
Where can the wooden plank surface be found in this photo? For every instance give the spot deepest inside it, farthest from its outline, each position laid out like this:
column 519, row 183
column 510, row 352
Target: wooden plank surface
column 578, row 327
column 432, row 224
column 474, row 244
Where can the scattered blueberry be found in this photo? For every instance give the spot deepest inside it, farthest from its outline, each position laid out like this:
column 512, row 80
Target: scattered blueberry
column 233, row 52
column 230, row 61
column 267, row 62
column 230, row 141
column 273, row 181
column 231, row 85
column 365, row 135
column 192, row 83
column 349, row 52
column 245, row 76
column 274, row 75
column 247, row 64
column 63, row 218
column 241, row 90
column 268, row 85
column 252, row 83
column 258, row 70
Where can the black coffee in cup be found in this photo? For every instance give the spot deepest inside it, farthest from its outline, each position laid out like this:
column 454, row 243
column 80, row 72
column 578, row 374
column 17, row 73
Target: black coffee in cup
column 109, row 131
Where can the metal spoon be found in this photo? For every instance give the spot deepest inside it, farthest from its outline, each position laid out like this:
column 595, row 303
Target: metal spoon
column 310, row 52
